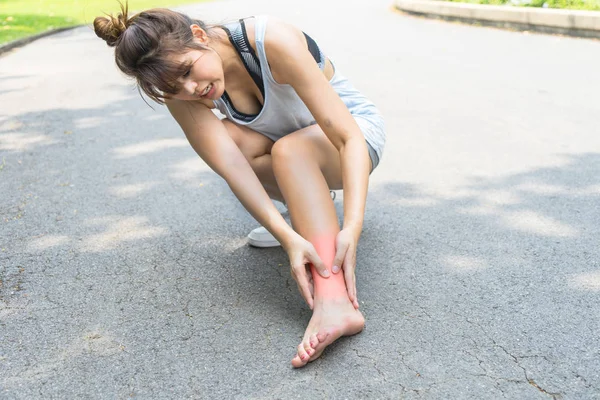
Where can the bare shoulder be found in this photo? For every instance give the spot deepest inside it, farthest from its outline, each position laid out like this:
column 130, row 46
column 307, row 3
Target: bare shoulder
column 286, row 48
column 278, row 32
column 281, row 36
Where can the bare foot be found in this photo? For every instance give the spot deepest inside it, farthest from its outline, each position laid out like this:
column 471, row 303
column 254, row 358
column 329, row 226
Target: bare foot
column 331, row 319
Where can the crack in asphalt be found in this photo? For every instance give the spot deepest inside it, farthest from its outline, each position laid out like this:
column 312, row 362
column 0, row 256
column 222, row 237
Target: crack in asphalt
column 530, row 381
column 417, row 373
column 374, row 363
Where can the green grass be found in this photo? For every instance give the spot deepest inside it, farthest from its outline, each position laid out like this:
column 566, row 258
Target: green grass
column 590, row 5
column 20, row 18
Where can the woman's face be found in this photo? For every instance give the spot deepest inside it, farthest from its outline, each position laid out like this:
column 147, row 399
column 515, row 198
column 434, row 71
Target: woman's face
column 204, row 77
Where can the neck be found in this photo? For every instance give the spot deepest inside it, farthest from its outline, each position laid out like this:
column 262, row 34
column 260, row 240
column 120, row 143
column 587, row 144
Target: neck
column 228, row 54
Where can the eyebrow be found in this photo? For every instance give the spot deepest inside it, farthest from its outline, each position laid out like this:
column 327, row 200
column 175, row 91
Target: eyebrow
column 189, row 64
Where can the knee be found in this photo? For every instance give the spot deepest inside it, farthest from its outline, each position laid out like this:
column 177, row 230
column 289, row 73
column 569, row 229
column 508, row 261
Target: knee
column 287, row 149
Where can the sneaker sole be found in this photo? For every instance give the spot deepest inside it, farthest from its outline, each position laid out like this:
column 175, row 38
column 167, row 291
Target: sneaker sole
column 263, row 243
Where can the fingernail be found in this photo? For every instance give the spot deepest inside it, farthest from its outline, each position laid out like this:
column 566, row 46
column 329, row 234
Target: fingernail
column 326, row 272
column 335, row 269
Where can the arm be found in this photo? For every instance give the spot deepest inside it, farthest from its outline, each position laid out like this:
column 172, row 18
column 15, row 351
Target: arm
column 292, row 63
column 209, row 138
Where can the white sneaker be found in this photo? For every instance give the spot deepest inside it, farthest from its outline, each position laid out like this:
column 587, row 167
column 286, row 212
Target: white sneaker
column 261, row 237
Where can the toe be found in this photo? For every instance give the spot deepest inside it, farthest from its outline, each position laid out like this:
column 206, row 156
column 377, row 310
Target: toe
column 308, row 348
column 297, row 362
column 322, row 336
column 302, row 353
column 314, row 341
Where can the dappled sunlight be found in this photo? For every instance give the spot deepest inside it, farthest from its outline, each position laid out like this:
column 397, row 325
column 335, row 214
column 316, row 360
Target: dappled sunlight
column 541, row 188
column 462, row 264
column 592, row 190
column 119, row 230
column 534, row 223
column 148, row 147
column 221, row 244
column 231, row 244
column 499, row 197
column 10, row 124
column 47, row 241
column 156, row 117
column 586, row 281
column 416, row 202
column 23, row 141
column 490, row 202
column 94, row 342
column 188, row 169
column 129, row 191
column 88, row 122
column 483, row 209
column 457, row 194
column 480, row 234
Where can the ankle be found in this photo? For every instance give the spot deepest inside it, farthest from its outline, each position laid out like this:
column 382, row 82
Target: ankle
column 332, row 301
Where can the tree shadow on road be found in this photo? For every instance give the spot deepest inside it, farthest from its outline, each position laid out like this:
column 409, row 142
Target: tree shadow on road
column 123, row 248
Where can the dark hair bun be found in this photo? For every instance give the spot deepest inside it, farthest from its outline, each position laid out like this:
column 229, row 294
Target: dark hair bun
column 111, row 28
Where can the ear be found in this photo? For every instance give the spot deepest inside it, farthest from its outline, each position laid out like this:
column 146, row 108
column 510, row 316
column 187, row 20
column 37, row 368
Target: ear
column 199, row 33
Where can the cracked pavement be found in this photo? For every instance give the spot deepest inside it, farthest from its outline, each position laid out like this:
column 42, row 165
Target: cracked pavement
column 124, row 270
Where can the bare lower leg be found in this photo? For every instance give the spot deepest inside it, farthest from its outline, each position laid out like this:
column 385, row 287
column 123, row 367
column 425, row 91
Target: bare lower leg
column 257, row 150
column 314, row 218
column 263, row 168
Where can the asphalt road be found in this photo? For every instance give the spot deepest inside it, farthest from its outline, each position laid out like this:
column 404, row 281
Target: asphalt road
column 123, row 265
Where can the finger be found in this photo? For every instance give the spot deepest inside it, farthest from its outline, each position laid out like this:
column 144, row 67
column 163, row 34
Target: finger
column 340, row 253
column 352, row 264
column 350, row 277
column 309, row 274
column 351, row 287
column 303, row 286
column 319, row 265
column 311, row 283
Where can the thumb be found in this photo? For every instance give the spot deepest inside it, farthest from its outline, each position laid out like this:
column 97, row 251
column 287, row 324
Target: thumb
column 319, row 265
column 340, row 254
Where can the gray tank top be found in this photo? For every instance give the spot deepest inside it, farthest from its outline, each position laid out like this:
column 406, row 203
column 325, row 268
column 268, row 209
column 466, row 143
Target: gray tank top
column 283, row 111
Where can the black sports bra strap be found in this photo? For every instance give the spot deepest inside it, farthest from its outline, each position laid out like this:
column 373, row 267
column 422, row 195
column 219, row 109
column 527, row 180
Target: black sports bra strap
column 239, row 39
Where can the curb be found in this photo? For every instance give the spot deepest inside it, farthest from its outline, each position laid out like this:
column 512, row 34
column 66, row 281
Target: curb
column 26, row 40
column 566, row 22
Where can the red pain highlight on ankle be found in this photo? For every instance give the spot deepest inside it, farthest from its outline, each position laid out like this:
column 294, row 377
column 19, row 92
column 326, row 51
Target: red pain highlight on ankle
column 334, row 286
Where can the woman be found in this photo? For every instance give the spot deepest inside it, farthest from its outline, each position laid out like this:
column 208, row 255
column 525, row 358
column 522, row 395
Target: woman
column 294, row 130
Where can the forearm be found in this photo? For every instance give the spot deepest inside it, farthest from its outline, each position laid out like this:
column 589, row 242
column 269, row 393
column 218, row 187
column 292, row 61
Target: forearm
column 355, row 174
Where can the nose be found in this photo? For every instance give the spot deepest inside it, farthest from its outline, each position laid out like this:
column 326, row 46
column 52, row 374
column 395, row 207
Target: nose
column 190, row 87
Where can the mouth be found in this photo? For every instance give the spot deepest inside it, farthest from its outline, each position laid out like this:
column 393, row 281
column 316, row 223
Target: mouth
column 207, row 90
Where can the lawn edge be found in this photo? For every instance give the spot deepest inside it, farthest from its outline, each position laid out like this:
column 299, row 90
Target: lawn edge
column 28, row 39
column 578, row 23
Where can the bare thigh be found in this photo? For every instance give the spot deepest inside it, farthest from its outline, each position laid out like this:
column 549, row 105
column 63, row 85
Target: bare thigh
column 251, row 143
column 311, row 143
